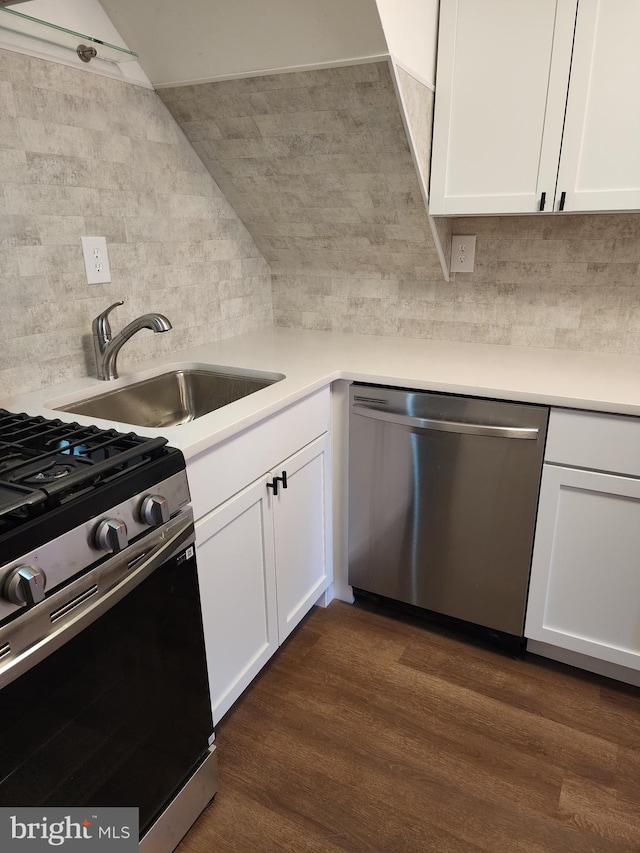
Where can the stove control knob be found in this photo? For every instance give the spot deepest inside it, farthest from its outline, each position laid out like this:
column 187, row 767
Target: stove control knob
column 154, row 510
column 111, row 535
column 25, row 585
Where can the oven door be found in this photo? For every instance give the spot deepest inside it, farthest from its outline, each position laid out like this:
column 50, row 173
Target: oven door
column 104, row 696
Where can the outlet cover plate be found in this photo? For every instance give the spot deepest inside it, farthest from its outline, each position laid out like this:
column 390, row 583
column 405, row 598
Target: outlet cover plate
column 96, row 260
column 463, row 253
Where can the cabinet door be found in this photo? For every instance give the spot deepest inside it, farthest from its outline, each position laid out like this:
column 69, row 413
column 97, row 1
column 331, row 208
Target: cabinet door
column 236, row 571
column 302, row 533
column 501, row 88
column 600, row 166
column 585, row 578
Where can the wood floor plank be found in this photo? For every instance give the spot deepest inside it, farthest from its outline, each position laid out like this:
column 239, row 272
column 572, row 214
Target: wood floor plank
column 441, row 743
column 531, row 685
column 367, row 733
column 363, row 804
column 450, row 705
column 436, row 780
column 600, row 810
column 261, row 829
column 627, row 779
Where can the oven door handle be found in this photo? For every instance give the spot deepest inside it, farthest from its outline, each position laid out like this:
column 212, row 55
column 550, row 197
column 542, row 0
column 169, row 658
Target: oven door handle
column 58, row 618
column 445, row 426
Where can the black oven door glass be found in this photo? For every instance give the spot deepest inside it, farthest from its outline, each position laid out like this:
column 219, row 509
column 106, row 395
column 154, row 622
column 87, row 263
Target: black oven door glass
column 120, row 715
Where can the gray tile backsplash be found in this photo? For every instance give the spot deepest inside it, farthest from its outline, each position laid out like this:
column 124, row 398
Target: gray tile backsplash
column 538, row 282
column 418, row 107
column 318, row 166
column 562, row 281
column 84, row 154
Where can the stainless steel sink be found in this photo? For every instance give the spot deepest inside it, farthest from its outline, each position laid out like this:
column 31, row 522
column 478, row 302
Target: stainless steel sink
column 172, row 398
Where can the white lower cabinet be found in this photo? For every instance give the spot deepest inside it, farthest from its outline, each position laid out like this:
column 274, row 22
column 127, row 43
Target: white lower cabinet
column 263, row 561
column 237, row 579
column 302, row 534
column 585, row 578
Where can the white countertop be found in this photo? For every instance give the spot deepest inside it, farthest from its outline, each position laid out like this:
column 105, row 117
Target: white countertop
column 311, row 360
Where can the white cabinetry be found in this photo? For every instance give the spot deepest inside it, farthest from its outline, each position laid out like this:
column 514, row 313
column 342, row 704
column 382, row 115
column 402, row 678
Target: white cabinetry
column 264, row 554
column 301, row 523
column 510, row 75
column 238, row 593
column 585, row 579
column 599, row 166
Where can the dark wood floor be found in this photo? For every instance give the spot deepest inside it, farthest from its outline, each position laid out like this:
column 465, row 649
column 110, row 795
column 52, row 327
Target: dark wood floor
column 366, row 733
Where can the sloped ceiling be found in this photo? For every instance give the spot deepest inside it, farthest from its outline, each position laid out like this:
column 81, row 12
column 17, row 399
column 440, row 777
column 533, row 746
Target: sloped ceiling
column 189, row 40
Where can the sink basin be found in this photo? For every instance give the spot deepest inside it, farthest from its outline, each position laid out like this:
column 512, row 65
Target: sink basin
column 172, row 398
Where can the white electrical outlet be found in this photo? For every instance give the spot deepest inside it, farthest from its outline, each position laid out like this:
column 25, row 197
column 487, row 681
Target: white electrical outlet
column 463, row 253
column 96, row 259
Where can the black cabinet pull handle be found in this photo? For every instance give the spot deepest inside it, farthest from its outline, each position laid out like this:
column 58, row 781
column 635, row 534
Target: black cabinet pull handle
column 563, row 198
column 274, row 483
column 543, row 201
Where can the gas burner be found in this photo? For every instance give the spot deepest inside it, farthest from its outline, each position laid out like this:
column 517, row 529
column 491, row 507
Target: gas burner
column 54, row 472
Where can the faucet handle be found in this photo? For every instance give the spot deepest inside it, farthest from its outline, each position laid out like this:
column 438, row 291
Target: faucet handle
column 101, row 325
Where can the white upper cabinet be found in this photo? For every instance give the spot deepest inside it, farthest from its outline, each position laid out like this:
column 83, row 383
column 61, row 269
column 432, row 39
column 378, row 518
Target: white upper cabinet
column 509, row 72
column 496, row 139
column 600, row 163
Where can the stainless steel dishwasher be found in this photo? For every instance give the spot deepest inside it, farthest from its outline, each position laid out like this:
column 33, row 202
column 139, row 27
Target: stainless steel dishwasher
column 442, row 501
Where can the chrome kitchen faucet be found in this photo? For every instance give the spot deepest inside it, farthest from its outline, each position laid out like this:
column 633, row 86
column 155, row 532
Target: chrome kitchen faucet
column 107, row 348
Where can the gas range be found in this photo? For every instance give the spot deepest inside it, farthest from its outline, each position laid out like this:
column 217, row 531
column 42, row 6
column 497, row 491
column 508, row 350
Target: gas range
column 103, row 679
column 69, row 495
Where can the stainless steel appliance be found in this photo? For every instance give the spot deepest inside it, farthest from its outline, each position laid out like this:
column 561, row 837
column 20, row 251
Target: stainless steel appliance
column 442, row 503
column 104, row 695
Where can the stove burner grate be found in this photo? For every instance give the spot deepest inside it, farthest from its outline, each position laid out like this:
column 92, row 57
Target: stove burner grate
column 46, row 462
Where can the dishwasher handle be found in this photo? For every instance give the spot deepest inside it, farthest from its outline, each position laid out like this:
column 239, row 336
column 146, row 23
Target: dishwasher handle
column 445, row 426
